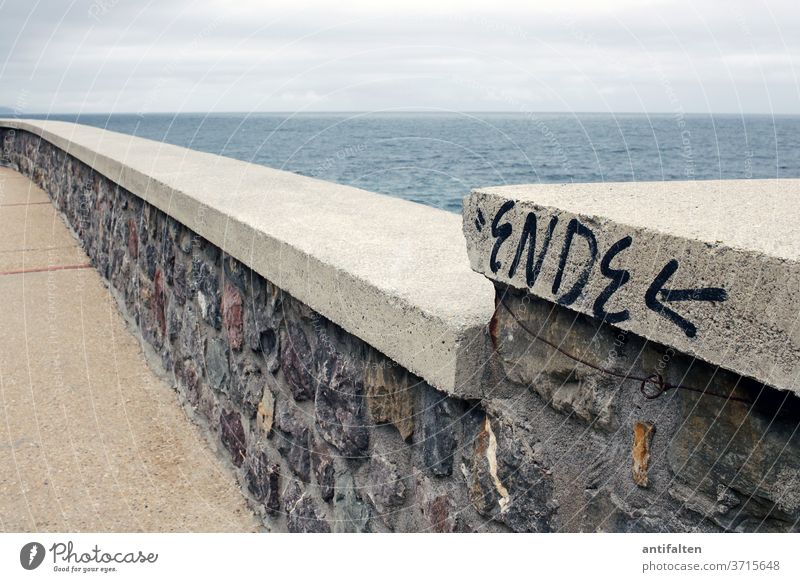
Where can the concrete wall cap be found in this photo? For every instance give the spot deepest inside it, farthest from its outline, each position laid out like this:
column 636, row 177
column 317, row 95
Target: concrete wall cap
column 392, row 272
column 710, row 268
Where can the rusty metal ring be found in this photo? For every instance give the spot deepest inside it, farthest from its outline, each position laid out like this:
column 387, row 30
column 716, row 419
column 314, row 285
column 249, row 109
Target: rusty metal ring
column 657, row 380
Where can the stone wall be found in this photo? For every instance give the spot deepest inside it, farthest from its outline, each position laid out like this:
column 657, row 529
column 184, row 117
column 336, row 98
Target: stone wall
column 686, row 460
column 325, row 433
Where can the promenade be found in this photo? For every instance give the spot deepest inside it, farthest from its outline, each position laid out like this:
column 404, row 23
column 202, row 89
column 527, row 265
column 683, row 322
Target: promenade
column 91, row 439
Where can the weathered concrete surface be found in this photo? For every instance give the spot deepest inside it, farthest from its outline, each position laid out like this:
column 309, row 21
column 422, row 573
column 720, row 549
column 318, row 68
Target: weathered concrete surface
column 391, row 272
column 90, row 438
column 711, row 268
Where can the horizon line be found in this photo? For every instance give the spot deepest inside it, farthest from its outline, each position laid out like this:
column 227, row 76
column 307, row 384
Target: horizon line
column 401, row 112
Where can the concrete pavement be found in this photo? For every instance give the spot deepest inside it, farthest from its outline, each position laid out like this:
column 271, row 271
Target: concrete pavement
column 90, row 438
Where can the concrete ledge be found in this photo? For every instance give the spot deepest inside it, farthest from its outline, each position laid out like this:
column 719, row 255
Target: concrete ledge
column 709, row 268
column 391, row 272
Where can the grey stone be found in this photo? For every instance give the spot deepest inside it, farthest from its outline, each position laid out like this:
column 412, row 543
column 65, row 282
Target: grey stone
column 339, row 409
column 322, row 463
column 296, row 362
column 247, row 386
column 387, row 488
column 191, row 340
column 506, row 483
column 217, row 365
column 151, row 260
column 205, row 282
column 189, row 376
column 438, row 421
column 184, row 239
column 174, row 322
column 180, row 282
column 168, row 261
column 263, row 481
column 260, row 318
column 738, row 465
column 562, row 382
column 606, row 512
column 293, row 440
column 350, row 513
column 236, row 272
column 211, row 253
column 302, row 513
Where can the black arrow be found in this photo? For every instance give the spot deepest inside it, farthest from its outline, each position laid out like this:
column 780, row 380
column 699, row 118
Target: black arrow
column 656, row 290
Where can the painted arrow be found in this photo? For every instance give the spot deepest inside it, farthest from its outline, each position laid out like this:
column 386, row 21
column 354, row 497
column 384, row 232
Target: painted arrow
column 656, row 294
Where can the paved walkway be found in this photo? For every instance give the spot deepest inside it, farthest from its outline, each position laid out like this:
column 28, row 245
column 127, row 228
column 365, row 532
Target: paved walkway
column 90, row 438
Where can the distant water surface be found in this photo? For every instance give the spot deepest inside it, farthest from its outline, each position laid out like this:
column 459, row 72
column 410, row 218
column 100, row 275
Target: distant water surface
column 437, row 158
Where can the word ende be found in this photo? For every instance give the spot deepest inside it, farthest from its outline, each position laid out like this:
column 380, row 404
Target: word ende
column 655, row 298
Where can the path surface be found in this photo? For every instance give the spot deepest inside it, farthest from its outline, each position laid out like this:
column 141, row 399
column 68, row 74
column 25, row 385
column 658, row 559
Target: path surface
column 90, row 438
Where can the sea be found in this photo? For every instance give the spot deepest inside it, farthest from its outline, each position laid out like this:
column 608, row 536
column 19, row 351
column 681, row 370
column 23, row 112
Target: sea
column 437, row 158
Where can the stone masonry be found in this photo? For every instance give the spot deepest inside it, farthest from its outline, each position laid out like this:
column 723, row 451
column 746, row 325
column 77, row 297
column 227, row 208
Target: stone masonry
column 326, row 434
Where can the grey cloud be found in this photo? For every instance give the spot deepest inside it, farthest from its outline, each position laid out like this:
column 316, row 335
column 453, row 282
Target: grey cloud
column 171, row 55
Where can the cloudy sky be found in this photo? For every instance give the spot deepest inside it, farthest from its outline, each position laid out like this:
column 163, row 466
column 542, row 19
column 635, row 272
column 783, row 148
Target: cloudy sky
column 297, row 55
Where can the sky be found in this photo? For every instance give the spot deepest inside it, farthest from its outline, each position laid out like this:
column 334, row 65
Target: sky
column 148, row 56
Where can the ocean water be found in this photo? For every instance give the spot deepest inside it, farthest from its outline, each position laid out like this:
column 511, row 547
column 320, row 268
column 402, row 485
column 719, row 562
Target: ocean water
column 436, row 159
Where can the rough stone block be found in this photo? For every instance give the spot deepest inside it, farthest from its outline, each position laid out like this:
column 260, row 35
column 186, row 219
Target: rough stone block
column 205, row 283
column 217, row 365
column 232, row 316
column 350, row 513
column 133, row 239
column 232, row 435
column 387, row 488
column 324, row 471
column 263, row 481
column 302, row 513
column 265, row 413
column 438, row 420
column 246, row 386
column 159, row 302
column 738, row 465
column 390, row 394
column 297, row 362
column 507, row 484
column 340, row 409
column 562, row 382
column 293, row 441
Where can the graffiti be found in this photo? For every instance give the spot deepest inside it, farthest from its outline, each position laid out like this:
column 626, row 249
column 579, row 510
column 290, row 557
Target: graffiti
column 656, row 298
